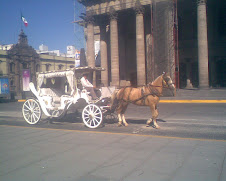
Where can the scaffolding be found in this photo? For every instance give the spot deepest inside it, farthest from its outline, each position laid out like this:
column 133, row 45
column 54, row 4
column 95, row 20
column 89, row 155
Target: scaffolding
column 164, row 42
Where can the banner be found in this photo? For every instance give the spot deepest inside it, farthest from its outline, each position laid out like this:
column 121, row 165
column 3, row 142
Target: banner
column 26, row 79
column 4, row 86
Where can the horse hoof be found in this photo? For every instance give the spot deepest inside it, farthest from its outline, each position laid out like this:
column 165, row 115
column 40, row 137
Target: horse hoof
column 126, row 125
column 147, row 125
column 119, row 125
column 157, row 127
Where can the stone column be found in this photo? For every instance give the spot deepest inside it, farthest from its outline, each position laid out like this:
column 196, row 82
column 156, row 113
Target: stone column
column 32, row 69
column 114, row 50
column 20, row 78
column 17, row 77
column 202, row 45
column 90, row 45
column 103, row 55
column 140, row 48
column 170, row 40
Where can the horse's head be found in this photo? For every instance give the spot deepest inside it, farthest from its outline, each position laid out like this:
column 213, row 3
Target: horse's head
column 167, row 82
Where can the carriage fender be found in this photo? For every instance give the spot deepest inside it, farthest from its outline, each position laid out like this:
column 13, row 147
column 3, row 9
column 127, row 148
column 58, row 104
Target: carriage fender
column 41, row 102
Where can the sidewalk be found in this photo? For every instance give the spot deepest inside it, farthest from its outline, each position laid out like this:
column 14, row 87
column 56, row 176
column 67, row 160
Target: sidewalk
column 197, row 96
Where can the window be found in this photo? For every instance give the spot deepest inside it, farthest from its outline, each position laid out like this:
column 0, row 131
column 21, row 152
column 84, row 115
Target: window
column 60, row 67
column 11, row 82
column 37, row 68
column 25, row 65
column 12, row 67
column 48, row 67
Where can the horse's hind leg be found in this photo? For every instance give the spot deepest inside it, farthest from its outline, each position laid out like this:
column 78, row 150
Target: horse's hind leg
column 149, row 122
column 124, row 120
column 119, row 119
column 125, row 105
column 155, row 114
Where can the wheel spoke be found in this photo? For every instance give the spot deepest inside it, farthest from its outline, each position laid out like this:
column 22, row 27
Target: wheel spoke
column 27, row 107
column 35, row 115
column 95, row 111
column 96, row 120
column 31, row 119
column 87, row 112
column 36, row 108
column 38, row 111
column 88, row 120
column 28, row 102
column 92, row 123
column 97, row 114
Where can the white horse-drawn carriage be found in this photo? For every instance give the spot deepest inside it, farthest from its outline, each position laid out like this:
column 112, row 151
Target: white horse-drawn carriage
column 57, row 91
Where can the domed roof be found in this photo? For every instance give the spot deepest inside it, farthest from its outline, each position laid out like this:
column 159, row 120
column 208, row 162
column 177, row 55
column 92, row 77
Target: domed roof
column 22, row 49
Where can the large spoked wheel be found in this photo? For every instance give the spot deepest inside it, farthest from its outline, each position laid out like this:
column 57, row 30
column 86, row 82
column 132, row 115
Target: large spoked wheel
column 31, row 111
column 92, row 116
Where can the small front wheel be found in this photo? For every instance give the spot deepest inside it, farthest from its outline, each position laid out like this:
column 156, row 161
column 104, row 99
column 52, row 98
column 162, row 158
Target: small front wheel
column 92, row 116
column 31, row 111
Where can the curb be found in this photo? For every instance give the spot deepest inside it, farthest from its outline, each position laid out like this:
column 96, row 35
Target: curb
column 192, row 101
column 21, row 100
column 179, row 101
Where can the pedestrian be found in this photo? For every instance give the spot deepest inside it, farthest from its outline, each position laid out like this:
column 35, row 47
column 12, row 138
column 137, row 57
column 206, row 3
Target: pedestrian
column 88, row 86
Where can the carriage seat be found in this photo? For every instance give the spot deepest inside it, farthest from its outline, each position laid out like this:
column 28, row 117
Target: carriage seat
column 55, row 94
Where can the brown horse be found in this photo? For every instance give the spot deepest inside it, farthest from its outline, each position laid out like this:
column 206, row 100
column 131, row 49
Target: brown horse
column 147, row 95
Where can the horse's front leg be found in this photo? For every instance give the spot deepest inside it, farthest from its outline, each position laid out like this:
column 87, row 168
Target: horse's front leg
column 155, row 114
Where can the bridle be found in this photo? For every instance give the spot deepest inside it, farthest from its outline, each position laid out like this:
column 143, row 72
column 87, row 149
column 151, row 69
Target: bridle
column 164, row 85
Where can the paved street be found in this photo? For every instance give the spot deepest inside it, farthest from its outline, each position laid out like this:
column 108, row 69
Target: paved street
column 62, row 155
column 205, row 121
column 191, row 145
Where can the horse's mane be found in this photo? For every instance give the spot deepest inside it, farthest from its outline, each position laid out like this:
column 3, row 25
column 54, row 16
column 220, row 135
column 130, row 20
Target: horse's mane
column 156, row 80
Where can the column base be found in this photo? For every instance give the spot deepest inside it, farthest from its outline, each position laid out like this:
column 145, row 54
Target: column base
column 204, row 87
column 116, row 84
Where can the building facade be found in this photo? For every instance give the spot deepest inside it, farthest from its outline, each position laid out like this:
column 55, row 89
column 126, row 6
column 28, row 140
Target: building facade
column 140, row 39
column 21, row 63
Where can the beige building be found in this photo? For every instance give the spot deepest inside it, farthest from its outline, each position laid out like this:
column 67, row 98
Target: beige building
column 22, row 58
column 139, row 39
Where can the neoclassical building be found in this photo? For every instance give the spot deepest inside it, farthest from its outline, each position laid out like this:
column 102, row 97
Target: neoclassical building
column 21, row 63
column 139, row 39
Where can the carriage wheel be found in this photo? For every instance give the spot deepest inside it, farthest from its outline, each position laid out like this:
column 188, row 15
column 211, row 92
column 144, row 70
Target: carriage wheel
column 31, row 111
column 92, row 116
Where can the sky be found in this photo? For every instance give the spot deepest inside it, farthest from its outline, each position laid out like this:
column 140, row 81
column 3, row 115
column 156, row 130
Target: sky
column 49, row 23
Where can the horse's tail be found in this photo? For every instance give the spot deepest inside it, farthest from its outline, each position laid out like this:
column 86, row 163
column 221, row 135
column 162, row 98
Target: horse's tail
column 114, row 100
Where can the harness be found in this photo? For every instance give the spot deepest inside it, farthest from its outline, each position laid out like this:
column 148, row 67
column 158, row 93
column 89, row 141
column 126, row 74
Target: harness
column 152, row 91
